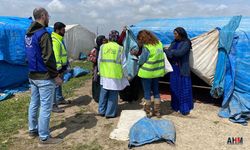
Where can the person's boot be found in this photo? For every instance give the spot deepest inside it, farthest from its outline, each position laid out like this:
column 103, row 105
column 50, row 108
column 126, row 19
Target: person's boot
column 147, row 108
column 51, row 140
column 157, row 105
column 57, row 109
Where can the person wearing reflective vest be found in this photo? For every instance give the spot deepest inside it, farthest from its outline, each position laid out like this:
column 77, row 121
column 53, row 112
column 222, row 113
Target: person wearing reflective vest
column 112, row 70
column 152, row 67
column 43, row 77
column 61, row 62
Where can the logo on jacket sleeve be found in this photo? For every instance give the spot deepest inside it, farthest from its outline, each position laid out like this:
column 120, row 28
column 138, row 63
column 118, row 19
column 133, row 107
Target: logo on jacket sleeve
column 28, row 41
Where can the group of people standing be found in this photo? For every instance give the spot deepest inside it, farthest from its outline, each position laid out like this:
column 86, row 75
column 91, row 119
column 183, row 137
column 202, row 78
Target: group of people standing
column 110, row 68
column 47, row 61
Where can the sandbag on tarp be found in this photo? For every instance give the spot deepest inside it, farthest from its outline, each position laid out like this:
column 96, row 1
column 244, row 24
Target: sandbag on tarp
column 147, row 130
column 12, row 75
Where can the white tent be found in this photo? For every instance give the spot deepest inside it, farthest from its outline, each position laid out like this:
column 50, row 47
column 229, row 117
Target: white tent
column 78, row 39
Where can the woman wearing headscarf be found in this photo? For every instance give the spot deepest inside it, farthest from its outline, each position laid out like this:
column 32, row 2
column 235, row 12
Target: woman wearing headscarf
column 93, row 57
column 152, row 67
column 180, row 80
column 113, row 73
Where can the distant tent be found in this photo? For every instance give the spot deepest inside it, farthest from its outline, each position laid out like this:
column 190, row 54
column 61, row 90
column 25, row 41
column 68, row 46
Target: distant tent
column 78, row 39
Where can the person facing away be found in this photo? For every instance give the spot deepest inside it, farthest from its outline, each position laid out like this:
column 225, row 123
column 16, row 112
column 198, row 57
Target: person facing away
column 152, row 67
column 113, row 73
column 43, row 77
column 61, row 57
column 180, row 80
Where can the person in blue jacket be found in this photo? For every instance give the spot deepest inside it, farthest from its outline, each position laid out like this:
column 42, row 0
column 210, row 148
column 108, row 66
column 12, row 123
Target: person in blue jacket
column 180, row 80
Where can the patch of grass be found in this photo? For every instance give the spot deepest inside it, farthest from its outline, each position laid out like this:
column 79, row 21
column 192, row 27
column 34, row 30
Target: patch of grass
column 74, row 83
column 14, row 111
column 13, row 116
column 92, row 146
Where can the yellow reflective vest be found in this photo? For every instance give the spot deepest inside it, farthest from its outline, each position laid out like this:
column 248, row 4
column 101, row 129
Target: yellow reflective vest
column 59, row 50
column 110, row 61
column 154, row 67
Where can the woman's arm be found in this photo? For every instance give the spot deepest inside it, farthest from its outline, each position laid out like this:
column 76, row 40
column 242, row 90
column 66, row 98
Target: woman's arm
column 182, row 50
column 144, row 56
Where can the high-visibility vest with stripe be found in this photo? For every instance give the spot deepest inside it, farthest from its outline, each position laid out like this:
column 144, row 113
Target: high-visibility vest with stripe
column 154, row 67
column 59, row 50
column 110, row 61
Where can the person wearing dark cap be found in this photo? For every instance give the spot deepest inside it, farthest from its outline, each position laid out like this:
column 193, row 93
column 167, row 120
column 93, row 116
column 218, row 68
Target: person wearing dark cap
column 113, row 73
column 61, row 57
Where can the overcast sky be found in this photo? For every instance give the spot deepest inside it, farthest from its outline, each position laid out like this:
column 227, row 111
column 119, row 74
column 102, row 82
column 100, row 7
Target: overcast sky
column 114, row 14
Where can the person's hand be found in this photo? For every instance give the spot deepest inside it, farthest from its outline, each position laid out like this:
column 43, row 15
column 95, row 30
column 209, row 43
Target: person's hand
column 134, row 52
column 129, row 78
column 124, row 28
column 58, row 80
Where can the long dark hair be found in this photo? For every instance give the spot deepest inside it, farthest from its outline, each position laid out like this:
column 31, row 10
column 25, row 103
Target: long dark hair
column 99, row 41
column 183, row 34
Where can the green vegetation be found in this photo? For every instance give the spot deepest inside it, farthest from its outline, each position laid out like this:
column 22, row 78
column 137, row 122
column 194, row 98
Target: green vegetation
column 14, row 111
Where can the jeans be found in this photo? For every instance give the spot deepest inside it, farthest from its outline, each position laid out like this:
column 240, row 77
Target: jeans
column 58, row 94
column 42, row 95
column 108, row 102
column 150, row 85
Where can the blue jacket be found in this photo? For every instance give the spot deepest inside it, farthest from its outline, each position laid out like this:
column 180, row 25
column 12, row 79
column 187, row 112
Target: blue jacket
column 40, row 56
column 34, row 52
column 181, row 54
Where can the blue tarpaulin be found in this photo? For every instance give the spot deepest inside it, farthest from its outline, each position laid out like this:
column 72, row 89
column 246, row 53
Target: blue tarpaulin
column 236, row 96
column 163, row 28
column 225, row 44
column 12, row 32
column 232, row 72
column 130, row 43
column 13, row 63
column 13, row 67
column 147, row 130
